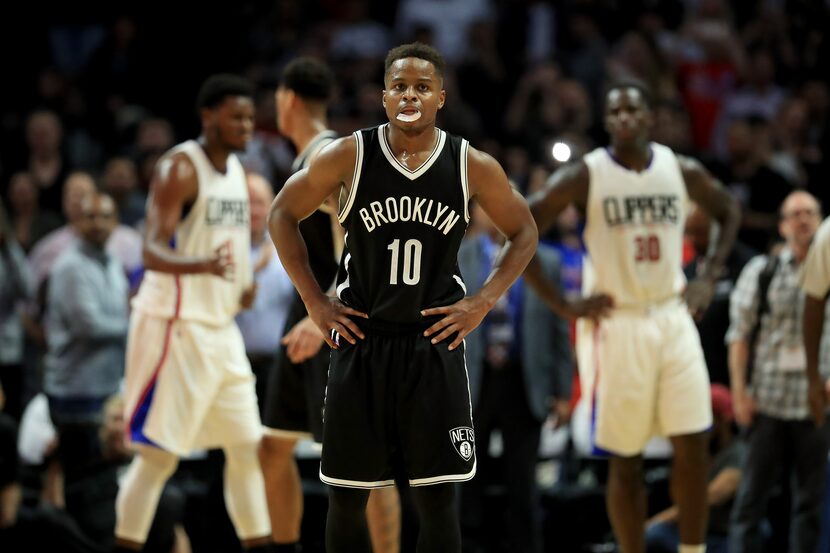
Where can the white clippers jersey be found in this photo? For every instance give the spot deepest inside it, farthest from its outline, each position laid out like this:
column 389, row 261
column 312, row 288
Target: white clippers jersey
column 220, row 217
column 634, row 228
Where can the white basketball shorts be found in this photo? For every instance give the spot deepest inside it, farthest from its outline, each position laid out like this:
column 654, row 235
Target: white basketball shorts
column 644, row 373
column 188, row 385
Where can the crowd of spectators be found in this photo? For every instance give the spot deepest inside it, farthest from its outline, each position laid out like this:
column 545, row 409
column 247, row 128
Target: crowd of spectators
column 96, row 99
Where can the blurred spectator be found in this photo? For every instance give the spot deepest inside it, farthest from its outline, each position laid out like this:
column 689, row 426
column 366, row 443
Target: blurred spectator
column 568, row 243
column 124, row 242
column 15, row 288
column 357, row 36
column 672, row 127
column 772, row 399
column 46, row 162
column 708, row 67
column 520, row 369
column 28, row 221
column 758, row 188
column 759, row 97
column 534, row 113
column 120, row 180
column 86, row 329
column 483, row 69
column 10, row 491
column 586, row 54
column 153, row 137
column 662, row 534
column 637, row 56
column 448, row 21
column 262, row 325
column 712, row 327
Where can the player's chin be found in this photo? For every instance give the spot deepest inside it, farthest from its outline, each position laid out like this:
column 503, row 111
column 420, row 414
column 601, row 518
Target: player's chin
column 238, row 145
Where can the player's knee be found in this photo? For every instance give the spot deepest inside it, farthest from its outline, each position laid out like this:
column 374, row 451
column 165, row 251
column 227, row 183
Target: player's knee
column 156, row 463
column 348, row 499
column 276, row 450
column 433, row 500
column 627, row 469
column 242, row 456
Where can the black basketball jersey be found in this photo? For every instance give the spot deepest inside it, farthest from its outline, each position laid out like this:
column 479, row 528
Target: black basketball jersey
column 316, row 228
column 403, row 229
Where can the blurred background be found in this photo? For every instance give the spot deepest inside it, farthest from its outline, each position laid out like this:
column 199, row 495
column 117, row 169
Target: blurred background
column 97, row 95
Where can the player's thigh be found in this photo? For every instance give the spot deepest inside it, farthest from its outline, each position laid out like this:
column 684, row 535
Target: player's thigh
column 434, row 415
column 234, row 412
column 684, row 404
column 626, row 351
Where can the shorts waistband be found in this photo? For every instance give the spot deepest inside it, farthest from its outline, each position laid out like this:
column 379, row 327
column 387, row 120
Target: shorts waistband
column 392, row 328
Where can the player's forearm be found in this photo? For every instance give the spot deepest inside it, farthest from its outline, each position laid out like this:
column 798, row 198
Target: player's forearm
column 812, row 324
column 285, row 232
column 738, row 357
column 512, row 261
column 729, row 219
column 161, row 258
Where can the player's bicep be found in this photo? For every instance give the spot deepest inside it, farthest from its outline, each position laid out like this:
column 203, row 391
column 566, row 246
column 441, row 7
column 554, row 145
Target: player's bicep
column 705, row 190
column 174, row 184
column 307, row 189
column 501, row 202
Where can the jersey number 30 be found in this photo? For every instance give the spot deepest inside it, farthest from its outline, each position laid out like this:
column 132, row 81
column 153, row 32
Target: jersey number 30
column 647, row 248
column 411, row 261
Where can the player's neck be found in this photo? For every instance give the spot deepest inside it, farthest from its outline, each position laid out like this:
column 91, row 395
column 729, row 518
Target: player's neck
column 305, row 131
column 217, row 154
column 635, row 157
column 411, row 142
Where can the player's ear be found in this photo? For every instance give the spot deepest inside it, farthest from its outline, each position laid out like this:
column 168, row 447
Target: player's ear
column 383, row 98
column 442, row 97
column 650, row 119
column 208, row 116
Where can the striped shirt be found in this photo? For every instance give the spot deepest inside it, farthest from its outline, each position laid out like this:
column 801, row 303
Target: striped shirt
column 778, row 392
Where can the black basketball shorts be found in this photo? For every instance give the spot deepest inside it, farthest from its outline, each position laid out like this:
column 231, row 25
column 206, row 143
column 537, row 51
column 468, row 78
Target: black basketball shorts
column 397, row 407
column 295, row 395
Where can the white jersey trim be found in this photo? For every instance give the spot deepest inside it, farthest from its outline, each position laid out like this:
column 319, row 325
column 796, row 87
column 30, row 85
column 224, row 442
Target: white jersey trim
column 411, row 174
column 444, row 478
column 460, row 283
column 465, row 185
column 345, row 284
column 355, row 483
column 358, row 167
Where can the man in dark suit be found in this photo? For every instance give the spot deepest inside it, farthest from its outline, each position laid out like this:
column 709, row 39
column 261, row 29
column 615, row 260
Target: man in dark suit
column 520, row 366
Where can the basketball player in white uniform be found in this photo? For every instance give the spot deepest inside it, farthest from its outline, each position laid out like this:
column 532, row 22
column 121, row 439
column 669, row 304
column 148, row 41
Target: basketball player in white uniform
column 188, row 382
column 646, row 373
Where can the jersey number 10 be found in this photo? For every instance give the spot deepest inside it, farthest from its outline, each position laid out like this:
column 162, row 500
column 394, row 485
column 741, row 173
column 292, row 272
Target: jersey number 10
column 411, row 261
column 647, row 248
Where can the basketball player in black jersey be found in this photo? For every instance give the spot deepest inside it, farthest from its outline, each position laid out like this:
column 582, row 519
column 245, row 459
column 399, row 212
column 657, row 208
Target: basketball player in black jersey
column 294, row 400
column 397, row 400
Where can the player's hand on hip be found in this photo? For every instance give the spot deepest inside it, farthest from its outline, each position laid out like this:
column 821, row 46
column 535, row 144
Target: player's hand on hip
column 246, row 301
column 331, row 314
column 462, row 317
column 592, row 307
column 698, row 296
column 744, row 406
column 303, row 341
column 817, row 398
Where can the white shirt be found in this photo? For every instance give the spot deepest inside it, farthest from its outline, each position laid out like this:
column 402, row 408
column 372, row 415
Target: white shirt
column 634, row 229
column 220, row 217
